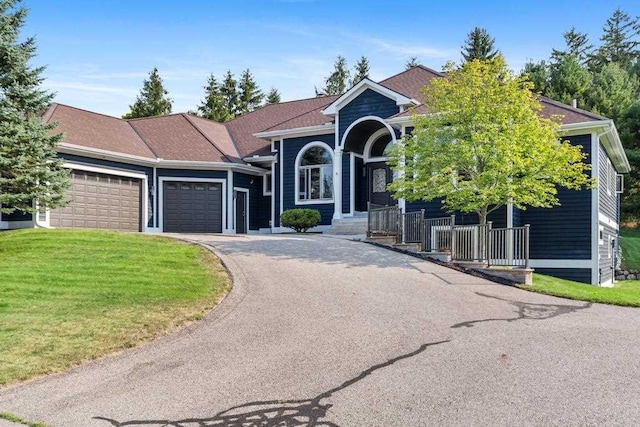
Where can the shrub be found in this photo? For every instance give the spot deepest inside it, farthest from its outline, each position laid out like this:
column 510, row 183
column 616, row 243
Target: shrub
column 300, row 219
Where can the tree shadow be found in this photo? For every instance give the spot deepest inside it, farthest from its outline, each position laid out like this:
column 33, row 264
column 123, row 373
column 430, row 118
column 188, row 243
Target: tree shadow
column 310, row 412
column 526, row 310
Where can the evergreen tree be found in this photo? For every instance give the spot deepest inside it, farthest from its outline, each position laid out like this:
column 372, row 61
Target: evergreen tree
column 229, row 93
column 569, row 80
column 213, row 106
column 612, row 91
column 360, row 71
column 413, row 62
column 273, row 97
column 152, row 101
column 479, row 45
column 30, row 170
column 336, row 83
column 249, row 94
column 538, row 74
column 619, row 42
column 577, row 46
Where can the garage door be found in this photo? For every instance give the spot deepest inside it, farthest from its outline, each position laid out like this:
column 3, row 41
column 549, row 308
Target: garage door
column 100, row 201
column 192, row 207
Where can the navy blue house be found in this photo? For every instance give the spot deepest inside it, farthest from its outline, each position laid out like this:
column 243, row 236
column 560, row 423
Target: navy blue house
column 180, row 173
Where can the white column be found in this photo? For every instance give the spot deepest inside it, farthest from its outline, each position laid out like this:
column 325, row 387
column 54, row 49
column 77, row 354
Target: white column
column 337, row 183
column 230, row 202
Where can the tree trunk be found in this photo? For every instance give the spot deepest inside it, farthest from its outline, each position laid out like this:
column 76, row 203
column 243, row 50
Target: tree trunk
column 482, row 215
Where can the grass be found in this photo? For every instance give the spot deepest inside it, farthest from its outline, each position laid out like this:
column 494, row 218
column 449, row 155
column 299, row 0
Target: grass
column 625, row 293
column 630, row 241
column 16, row 419
column 68, row 296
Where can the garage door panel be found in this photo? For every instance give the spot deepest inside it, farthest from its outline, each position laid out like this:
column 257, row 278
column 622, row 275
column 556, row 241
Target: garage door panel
column 100, row 201
column 192, row 207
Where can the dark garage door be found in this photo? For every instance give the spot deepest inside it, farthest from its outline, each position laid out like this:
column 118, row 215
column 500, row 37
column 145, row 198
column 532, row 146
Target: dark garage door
column 100, row 201
column 192, row 207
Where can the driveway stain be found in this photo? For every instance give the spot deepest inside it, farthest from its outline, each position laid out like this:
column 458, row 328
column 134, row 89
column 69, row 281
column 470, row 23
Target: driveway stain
column 297, row 412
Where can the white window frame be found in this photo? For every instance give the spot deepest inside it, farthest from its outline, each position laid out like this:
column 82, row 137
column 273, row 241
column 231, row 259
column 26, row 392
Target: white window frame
column 298, row 168
column 620, row 181
column 266, row 189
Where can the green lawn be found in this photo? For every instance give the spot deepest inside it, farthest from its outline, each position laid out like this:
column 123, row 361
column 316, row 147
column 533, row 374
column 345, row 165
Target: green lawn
column 624, row 293
column 67, row 296
column 630, row 241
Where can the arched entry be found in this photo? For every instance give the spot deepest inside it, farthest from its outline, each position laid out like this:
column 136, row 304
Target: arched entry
column 369, row 139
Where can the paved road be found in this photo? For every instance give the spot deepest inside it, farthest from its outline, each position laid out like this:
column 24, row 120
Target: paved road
column 320, row 331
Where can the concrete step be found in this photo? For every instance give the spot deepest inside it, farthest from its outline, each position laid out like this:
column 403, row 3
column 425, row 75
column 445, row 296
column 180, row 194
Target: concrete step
column 352, row 225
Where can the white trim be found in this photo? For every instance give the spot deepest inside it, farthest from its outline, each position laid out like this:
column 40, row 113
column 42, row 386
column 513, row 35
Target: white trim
column 337, row 184
column 364, row 119
column 595, row 209
column 257, row 158
column 267, row 191
column 333, row 108
column 246, row 208
column 352, row 184
column 281, row 152
column 161, row 181
column 296, row 132
column 296, row 176
column 272, row 203
column 229, row 211
column 369, row 145
column 609, row 222
column 155, row 199
column 561, row 263
column 81, row 150
column 144, row 187
column 402, row 203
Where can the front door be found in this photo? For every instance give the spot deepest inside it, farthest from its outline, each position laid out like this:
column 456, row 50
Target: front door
column 241, row 212
column 379, row 175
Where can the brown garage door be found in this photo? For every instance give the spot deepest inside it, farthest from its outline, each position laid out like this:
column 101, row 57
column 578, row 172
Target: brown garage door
column 192, row 207
column 100, row 201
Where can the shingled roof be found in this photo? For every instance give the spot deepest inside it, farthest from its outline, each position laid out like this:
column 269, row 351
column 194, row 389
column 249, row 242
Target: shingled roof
column 190, row 138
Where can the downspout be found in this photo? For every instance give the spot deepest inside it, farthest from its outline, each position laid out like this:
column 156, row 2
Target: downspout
column 155, row 198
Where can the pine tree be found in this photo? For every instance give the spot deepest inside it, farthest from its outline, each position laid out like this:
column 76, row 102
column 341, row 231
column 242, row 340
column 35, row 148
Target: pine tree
column 30, row 171
column 229, row 92
column 538, row 74
column 249, row 94
column 273, row 97
column 360, row 71
column 612, row 92
column 569, row 80
column 213, row 106
column 413, row 62
column 152, row 101
column 336, row 83
column 577, row 46
column 619, row 42
column 479, row 45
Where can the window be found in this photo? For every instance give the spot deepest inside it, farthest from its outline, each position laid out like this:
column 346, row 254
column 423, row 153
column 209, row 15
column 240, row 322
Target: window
column 315, row 174
column 619, row 183
column 267, row 185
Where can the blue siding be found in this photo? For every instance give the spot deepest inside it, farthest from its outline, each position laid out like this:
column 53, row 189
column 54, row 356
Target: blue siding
column 367, row 103
column 290, row 148
column 276, row 188
column 563, row 232
column 122, row 166
column 346, row 183
column 259, row 205
column 576, row 274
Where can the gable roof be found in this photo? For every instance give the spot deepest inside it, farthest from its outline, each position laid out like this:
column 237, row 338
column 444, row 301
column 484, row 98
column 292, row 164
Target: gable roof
column 364, row 84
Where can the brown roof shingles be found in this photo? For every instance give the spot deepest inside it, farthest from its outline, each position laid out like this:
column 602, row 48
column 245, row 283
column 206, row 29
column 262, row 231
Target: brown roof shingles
column 173, row 137
column 244, row 127
column 94, row 130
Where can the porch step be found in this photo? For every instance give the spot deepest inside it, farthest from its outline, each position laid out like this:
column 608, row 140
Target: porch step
column 354, row 225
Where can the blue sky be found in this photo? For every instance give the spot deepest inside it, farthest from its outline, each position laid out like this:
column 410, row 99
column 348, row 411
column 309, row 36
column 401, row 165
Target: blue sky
column 98, row 52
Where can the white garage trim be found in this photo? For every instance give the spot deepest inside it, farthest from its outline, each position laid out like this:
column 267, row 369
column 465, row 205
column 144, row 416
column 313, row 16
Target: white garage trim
column 139, row 175
column 161, row 182
column 243, row 190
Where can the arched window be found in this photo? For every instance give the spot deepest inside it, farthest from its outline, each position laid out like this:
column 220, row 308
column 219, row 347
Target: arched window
column 315, row 174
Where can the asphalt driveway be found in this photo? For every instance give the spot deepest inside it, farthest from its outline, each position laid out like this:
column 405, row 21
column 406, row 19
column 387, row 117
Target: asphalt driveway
column 321, row 331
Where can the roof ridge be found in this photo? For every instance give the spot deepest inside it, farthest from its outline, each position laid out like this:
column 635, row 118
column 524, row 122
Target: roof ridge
column 186, row 117
column 226, row 129
column 153, row 117
column 51, row 108
column 430, row 70
column 570, row 107
column 88, row 111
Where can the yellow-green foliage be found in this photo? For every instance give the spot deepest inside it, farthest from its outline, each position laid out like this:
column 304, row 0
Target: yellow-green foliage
column 484, row 143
